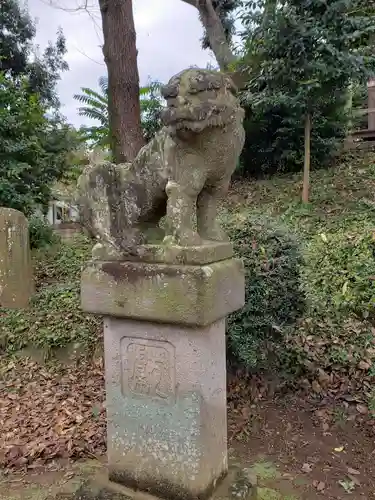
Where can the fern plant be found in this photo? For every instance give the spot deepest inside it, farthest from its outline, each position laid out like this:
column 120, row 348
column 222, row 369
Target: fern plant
column 95, row 107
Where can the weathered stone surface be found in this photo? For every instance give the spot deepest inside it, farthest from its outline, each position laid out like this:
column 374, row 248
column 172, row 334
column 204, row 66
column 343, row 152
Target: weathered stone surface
column 166, row 406
column 181, row 173
column 186, row 295
column 170, row 254
column 238, row 484
column 16, row 281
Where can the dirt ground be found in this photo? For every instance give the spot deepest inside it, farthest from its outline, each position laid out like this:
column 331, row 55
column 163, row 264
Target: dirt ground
column 308, row 450
column 300, row 446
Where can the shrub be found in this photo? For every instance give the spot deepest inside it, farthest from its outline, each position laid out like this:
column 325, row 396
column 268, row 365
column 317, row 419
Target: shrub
column 275, row 138
column 55, row 318
column 340, row 272
column 272, row 258
column 41, row 233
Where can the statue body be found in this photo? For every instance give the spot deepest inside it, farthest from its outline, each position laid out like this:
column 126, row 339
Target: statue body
column 180, row 174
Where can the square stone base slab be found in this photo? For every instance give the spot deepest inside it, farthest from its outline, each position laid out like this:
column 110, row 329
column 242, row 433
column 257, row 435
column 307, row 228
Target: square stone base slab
column 166, row 406
column 170, row 254
column 177, row 294
column 239, row 484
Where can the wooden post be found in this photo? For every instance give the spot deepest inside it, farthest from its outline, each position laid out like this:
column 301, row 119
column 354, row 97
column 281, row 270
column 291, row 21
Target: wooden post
column 306, row 166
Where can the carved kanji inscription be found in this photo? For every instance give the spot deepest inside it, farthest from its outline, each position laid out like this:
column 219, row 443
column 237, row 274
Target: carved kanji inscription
column 148, row 368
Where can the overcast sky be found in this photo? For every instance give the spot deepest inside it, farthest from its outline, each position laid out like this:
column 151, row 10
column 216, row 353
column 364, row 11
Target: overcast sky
column 168, row 40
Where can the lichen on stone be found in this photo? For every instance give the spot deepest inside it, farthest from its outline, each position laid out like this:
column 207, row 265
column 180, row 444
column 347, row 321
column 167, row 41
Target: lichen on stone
column 179, row 174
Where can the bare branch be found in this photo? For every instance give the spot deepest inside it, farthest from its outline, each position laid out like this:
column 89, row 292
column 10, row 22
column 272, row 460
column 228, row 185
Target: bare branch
column 88, row 7
column 88, row 57
column 84, row 6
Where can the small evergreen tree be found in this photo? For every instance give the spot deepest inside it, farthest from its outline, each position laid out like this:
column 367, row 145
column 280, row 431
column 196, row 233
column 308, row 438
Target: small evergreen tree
column 307, row 53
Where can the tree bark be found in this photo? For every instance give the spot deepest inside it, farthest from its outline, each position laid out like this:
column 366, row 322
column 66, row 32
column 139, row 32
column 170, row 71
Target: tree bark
column 306, row 166
column 215, row 32
column 120, row 55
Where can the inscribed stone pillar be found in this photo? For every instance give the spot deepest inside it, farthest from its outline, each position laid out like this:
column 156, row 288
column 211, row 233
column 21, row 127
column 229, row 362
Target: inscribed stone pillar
column 164, row 334
column 16, row 281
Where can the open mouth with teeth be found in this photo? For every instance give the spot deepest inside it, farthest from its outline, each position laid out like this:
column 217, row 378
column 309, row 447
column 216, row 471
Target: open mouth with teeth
column 197, row 118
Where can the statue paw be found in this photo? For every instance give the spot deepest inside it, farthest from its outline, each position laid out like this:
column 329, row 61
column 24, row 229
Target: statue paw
column 214, row 233
column 105, row 251
column 187, row 238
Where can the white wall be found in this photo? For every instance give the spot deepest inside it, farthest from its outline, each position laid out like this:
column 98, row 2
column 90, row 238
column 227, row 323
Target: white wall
column 60, row 211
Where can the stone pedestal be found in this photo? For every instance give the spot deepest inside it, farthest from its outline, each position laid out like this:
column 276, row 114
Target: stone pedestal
column 164, row 329
column 16, row 278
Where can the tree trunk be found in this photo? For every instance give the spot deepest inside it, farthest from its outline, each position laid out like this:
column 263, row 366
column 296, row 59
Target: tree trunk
column 269, row 12
column 120, row 55
column 306, row 166
column 215, row 32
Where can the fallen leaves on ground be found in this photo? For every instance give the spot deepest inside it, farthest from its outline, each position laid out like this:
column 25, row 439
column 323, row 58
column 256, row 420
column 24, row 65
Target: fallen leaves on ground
column 49, row 413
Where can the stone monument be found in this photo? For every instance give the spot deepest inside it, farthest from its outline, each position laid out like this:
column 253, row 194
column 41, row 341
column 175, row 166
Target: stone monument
column 165, row 290
column 16, row 280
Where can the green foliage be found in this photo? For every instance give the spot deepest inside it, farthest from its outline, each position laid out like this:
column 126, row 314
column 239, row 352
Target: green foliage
column 96, row 108
column 274, row 140
column 19, row 59
column 33, row 148
column 41, row 233
column 55, row 318
column 151, row 106
column 300, row 59
column 272, row 259
column 340, row 275
column 359, row 101
column 16, row 31
column 307, row 50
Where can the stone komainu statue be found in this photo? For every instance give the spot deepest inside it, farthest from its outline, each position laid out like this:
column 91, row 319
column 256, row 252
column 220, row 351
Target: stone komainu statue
column 181, row 173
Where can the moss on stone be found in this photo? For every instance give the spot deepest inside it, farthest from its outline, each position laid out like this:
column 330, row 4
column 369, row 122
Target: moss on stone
column 271, row 494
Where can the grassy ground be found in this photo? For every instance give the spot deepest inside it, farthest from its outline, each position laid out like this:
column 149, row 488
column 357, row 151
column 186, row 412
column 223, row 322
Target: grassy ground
column 339, row 197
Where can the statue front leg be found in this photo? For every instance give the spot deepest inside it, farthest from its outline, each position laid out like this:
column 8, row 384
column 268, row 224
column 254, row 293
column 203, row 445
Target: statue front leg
column 208, row 226
column 181, row 208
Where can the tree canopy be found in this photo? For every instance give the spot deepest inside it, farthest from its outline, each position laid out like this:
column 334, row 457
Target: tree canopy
column 35, row 140
column 300, row 58
column 33, row 148
column 309, row 49
column 19, row 57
